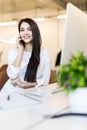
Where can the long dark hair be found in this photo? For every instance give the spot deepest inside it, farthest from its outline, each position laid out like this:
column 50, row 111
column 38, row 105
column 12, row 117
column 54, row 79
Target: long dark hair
column 34, row 61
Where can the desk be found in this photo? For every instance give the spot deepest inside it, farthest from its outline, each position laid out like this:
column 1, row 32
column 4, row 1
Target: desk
column 65, row 123
column 31, row 118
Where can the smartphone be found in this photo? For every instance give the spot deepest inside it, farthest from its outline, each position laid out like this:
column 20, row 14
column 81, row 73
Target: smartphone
column 22, row 43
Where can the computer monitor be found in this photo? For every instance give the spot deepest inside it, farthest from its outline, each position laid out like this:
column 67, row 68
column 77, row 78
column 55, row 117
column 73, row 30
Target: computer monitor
column 75, row 36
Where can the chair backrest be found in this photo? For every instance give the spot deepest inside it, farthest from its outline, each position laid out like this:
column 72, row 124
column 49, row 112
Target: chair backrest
column 52, row 77
column 3, row 75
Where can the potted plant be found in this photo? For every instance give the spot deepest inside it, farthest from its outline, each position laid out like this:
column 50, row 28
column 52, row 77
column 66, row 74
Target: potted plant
column 73, row 78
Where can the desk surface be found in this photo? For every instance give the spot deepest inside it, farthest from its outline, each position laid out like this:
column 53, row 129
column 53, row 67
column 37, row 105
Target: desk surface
column 65, row 123
column 32, row 117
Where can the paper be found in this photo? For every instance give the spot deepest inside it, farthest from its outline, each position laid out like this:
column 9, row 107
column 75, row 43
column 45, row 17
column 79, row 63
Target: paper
column 16, row 100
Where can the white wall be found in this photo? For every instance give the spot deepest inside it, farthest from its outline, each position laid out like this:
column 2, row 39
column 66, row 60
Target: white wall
column 4, row 47
column 50, row 36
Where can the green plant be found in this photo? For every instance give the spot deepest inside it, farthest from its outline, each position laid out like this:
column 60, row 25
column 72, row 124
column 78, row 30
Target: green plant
column 73, row 74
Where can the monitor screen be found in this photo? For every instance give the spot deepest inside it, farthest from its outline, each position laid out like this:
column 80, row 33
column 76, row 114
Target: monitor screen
column 75, row 36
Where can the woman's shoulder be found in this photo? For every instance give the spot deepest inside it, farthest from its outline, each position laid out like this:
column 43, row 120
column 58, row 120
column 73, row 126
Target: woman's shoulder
column 13, row 50
column 44, row 50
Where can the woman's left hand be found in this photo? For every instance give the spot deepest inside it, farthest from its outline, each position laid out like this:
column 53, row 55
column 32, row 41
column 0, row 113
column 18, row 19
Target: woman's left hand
column 17, row 82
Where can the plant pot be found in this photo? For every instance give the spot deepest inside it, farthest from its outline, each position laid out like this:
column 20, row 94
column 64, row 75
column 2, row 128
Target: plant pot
column 78, row 100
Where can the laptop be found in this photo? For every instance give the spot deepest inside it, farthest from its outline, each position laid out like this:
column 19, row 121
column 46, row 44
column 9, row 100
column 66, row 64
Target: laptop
column 75, row 35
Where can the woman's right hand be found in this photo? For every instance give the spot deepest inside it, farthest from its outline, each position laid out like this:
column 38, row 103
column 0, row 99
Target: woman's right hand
column 20, row 46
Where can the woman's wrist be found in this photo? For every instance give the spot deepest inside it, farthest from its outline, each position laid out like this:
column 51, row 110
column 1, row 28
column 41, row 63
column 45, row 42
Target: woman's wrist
column 23, row 85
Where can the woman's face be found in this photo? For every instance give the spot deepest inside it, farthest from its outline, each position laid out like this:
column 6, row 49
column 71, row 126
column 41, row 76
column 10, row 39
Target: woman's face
column 26, row 32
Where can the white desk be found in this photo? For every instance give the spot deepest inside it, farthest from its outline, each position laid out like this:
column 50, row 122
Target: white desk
column 31, row 117
column 64, row 123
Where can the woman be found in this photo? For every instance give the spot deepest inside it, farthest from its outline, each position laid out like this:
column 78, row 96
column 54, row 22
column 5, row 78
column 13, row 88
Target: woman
column 28, row 64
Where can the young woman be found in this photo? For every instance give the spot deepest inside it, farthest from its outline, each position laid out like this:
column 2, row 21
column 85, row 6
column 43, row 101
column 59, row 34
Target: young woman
column 28, row 64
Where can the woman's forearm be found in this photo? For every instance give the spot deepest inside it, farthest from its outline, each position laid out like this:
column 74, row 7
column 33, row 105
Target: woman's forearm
column 21, row 84
column 29, row 84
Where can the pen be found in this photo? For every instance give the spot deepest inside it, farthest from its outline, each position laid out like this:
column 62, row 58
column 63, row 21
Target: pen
column 29, row 97
column 37, row 95
column 57, row 90
column 8, row 97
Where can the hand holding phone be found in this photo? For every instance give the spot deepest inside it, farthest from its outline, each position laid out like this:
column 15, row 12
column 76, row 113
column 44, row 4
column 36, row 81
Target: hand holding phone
column 21, row 42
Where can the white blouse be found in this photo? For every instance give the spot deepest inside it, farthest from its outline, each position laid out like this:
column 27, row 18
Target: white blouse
column 43, row 71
